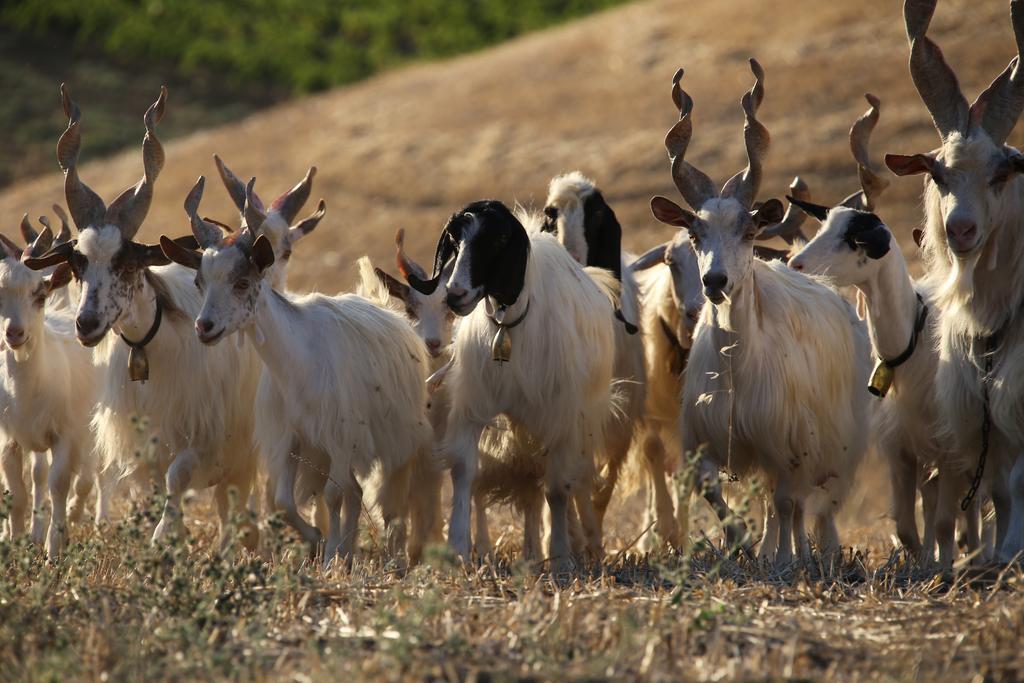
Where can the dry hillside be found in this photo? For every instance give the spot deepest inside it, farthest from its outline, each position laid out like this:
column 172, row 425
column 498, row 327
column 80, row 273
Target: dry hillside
column 409, row 147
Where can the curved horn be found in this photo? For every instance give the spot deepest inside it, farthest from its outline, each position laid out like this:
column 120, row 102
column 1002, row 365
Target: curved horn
column 129, row 210
column 207, row 234
column 745, row 185
column 446, row 246
column 235, row 187
column 42, row 243
column 1002, row 102
column 789, row 228
column 86, row 206
column 872, row 184
column 695, row 187
column 28, row 233
column 291, row 202
column 252, row 210
column 64, row 234
column 933, row 77
column 405, row 264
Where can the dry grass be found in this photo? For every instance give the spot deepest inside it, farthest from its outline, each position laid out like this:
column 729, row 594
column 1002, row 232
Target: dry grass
column 406, row 149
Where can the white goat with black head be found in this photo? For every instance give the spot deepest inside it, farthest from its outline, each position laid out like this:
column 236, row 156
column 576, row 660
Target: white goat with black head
column 536, row 345
column 47, row 391
column 578, row 215
column 854, row 247
column 779, row 361
column 351, row 376
column 973, row 245
column 198, row 402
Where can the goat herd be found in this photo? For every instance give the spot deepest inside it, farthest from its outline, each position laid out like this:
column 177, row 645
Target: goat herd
column 563, row 357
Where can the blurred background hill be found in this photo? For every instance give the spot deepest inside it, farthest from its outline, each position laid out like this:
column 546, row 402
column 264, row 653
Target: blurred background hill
column 406, row 147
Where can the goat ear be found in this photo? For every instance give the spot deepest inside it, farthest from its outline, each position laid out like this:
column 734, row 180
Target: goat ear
column 508, row 273
column 810, row 208
column 262, row 255
column 394, row 287
column 151, row 255
column 603, row 234
column 903, row 164
column 60, row 277
column 650, row 258
column 178, row 253
column 59, row 254
column 918, row 235
column 875, row 242
column 768, row 254
column 670, row 213
column 307, row 225
column 768, row 213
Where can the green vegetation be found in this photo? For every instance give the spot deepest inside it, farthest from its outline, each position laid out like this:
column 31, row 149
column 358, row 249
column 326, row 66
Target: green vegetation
column 302, row 45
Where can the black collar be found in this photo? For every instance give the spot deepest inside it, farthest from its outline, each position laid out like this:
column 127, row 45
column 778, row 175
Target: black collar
column 509, row 326
column 914, row 336
column 154, row 328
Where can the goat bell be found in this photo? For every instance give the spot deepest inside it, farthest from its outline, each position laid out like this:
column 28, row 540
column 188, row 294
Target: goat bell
column 501, row 347
column 881, row 380
column 138, row 364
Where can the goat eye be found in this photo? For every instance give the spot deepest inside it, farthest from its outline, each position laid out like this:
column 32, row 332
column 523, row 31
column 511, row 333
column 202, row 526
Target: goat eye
column 749, row 235
column 242, row 285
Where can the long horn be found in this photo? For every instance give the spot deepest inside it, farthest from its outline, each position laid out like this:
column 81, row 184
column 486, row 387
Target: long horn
column 28, row 233
column 789, row 228
column 405, row 264
column 207, row 234
column 445, row 248
column 129, row 210
column 252, row 210
column 291, row 202
column 745, row 185
column 933, row 77
column 1001, row 104
column 86, row 206
column 235, row 187
column 64, row 234
column 695, row 187
column 872, row 184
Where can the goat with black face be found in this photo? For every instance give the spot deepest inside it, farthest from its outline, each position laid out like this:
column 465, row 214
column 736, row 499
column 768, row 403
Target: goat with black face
column 551, row 378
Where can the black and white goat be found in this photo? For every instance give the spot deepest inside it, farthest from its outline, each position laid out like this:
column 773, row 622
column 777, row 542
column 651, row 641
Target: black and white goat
column 351, row 377
column 536, row 344
column 198, row 401
column 973, row 245
column 776, row 375
column 854, row 247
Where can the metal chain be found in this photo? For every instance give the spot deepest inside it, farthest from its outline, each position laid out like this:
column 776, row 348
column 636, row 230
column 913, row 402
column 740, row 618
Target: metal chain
column 986, row 426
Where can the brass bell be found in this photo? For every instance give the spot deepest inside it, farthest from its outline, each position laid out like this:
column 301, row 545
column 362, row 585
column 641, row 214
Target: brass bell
column 501, row 347
column 138, row 364
column 881, row 380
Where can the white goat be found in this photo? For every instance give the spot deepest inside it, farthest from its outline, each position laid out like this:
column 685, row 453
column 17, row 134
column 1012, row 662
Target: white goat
column 354, row 403
column 855, row 248
column 47, row 392
column 578, row 215
column 777, row 370
column 537, row 346
column 198, row 401
column 973, row 245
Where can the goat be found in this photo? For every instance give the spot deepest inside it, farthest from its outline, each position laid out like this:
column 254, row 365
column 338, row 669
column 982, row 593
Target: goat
column 578, row 215
column 352, row 404
column 47, row 391
column 855, row 248
column 536, row 345
column 198, row 401
column 779, row 360
column 973, row 244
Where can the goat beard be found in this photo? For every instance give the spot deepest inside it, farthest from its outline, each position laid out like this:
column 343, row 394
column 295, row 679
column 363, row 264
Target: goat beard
column 958, row 290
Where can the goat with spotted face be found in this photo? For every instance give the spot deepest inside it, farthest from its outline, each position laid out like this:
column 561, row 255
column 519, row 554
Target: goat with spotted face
column 578, row 215
column 201, row 419
column 47, row 392
column 506, row 281
column 355, row 401
column 855, row 248
column 973, row 244
column 797, row 416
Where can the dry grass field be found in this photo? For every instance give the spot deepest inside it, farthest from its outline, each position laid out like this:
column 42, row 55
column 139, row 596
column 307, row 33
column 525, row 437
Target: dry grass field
column 405, row 150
